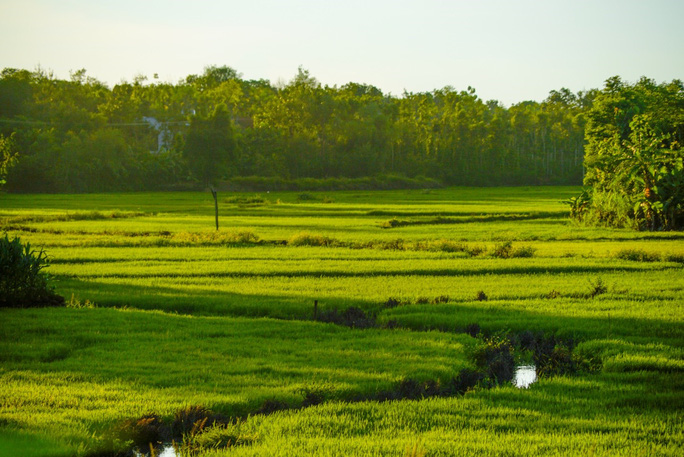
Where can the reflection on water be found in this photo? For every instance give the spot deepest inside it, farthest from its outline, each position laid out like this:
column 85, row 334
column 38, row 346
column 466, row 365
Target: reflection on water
column 167, row 450
column 524, row 376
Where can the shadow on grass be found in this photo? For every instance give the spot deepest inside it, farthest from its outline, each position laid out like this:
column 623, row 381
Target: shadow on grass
column 480, row 270
column 491, row 316
column 495, row 316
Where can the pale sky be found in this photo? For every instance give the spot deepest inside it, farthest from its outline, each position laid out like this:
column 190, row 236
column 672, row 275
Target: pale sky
column 508, row 50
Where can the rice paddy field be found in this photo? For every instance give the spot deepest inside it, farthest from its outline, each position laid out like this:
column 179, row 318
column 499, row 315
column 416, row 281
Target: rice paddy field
column 341, row 323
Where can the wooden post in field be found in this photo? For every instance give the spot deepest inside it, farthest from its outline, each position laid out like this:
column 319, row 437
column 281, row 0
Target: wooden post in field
column 213, row 193
column 315, row 309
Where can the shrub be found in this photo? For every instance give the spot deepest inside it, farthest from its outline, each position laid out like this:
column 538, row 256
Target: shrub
column 637, row 255
column 394, row 222
column 474, row 251
column 256, row 200
column 495, row 357
column 553, row 294
column 192, row 419
column 22, row 283
column 310, row 239
column 678, row 258
column 447, row 246
column 213, row 237
column 523, row 251
column 597, row 288
column 351, row 317
column 149, row 430
column 503, row 250
column 558, row 361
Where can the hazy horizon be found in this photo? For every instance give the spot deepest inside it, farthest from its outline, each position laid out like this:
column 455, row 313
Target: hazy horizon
column 508, row 51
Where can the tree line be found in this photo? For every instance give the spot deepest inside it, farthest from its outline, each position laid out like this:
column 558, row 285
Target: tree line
column 79, row 135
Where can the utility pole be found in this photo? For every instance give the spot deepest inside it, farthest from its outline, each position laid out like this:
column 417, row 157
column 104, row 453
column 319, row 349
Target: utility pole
column 214, row 194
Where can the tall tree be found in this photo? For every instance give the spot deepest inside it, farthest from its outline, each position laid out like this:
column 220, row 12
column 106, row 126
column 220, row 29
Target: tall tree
column 210, row 146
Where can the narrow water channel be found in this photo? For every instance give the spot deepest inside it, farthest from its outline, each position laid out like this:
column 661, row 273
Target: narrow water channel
column 523, row 377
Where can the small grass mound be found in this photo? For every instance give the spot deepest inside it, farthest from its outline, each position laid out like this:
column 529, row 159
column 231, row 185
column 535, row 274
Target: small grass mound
column 214, row 237
column 311, row 239
column 637, row 255
column 507, row 251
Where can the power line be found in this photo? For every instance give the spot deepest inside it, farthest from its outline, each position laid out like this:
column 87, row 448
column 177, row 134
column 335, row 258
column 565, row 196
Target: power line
column 112, row 124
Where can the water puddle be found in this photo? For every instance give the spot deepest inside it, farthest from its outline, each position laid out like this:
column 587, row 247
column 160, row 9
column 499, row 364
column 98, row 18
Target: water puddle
column 167, row 450
column 524, row 376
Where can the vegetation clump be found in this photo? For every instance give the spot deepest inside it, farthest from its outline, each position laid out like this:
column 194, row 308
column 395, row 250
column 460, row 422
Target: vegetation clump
column 256, row 200
column 506, row 250
column 351, row 317
column 214, row 237
column 495, row 357
column 634, row 158
column 311, row 239
column 597, row 287
column 145, row 433
column 22, row 282
column 637, row 255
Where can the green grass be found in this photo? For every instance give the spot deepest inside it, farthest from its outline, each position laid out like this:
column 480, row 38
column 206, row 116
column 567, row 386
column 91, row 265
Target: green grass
column 185, row 316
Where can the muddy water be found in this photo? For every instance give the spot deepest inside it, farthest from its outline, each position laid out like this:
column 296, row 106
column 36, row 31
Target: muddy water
column 524, row 376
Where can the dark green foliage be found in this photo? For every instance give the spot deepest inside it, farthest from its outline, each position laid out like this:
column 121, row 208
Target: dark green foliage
column 503, row 250
column 634, row 158
column 506, row 250
column 579, row 205
column 523, row 252
column 465, row 381
column 495, row 358
column 674, row 258
column 351, row 317
column 210, row 146
column 473, row 329
column 637, row 255
column 392, row 302
column 312, row 397
column 271, row 405
column 146, row 432
column 78, row 135
column 554, row 358
column 7, row 157
column 193, row 419
column 597, row 287
column 310, row 239
column 22, row 282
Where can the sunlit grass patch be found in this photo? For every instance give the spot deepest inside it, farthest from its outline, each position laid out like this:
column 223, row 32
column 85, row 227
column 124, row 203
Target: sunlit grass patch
column 229, row 321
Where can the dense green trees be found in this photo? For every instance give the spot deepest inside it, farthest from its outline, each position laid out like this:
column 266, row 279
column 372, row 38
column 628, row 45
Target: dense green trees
column 7, row 157
column 634, row 156
column 209, row 146
column 78, row 135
